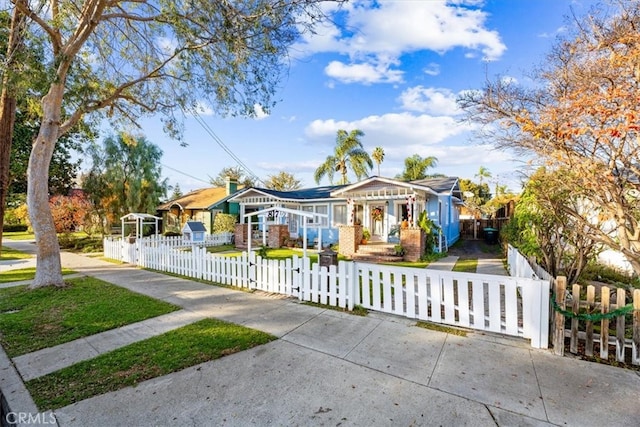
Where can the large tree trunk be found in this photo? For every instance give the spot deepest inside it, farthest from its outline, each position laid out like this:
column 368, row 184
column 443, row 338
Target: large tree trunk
column 48, row 267
column 8, row 111
column 7, row 119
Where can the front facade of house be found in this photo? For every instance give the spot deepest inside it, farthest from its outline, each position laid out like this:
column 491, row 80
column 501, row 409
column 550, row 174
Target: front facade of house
column 378, row 204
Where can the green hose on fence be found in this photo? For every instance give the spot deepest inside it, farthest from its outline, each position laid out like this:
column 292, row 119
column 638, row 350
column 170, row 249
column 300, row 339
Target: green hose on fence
column 592, row 317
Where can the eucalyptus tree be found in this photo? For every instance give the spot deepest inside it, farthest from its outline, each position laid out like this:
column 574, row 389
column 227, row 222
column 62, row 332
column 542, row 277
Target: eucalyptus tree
column 415, row 167
column 64, row 166
column 378, row 156
column 348, row 154
column 125, row 59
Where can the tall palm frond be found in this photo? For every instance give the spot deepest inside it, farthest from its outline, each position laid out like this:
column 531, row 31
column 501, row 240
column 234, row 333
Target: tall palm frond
column 348, row 154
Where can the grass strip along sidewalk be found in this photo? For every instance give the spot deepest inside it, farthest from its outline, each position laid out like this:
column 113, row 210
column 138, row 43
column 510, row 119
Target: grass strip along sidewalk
column 21, row 274
column 9, row 254
column 31, row 320
column 173, row 351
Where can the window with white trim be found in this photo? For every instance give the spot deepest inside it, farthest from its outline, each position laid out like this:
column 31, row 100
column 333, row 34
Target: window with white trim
column 340, row 215
column 317, row 220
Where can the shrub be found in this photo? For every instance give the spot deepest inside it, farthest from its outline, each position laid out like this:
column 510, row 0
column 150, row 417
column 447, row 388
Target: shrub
column 7, row 228
column 224, row 223
column 17, row 216
column 68, row 212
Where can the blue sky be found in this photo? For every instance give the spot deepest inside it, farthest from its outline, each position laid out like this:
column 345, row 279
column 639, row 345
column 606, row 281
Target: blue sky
column 393, row 70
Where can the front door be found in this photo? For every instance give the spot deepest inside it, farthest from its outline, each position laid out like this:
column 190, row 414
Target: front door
column 378, row 215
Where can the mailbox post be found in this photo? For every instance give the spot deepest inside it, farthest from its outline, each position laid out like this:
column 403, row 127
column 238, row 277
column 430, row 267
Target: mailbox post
column 328, row 258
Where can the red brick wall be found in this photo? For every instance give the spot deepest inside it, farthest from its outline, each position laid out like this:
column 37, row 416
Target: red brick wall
column 349, row 239
column 241, row 234
column 412, row 240
column 277, row 234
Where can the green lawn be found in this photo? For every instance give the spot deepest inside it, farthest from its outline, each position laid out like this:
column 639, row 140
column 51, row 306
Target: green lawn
column 467, row 265
column 10, row 254
column 18, row 235
column 274, row 253
column 34, row 319
column 190, row 345
column 21, row 274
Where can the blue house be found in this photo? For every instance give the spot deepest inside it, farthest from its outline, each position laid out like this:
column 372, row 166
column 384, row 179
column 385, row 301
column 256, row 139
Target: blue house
column 376, row 203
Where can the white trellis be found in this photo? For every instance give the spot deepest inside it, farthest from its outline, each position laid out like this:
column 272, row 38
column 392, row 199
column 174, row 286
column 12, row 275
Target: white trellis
column 139, row 219
column 305, row 214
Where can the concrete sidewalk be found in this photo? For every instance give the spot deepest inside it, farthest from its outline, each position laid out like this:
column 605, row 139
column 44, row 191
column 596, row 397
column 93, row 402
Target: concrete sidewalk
column 332, row 368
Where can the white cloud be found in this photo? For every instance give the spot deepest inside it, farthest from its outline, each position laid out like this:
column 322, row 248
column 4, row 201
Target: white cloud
column 363, row 73
column 509, row 80
column 403, row 135
column 432, row 69
column 559, row 30
column 260, row 114
column 430, row 100
column 203, row 109
column 401, row 132
column 381, row 32
column 167, row 45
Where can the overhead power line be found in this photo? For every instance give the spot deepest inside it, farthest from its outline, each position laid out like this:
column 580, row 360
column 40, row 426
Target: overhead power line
column 222, row 145
column 185, row 174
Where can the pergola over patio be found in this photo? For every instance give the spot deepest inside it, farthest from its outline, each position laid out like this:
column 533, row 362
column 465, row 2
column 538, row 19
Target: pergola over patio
column 305, row 214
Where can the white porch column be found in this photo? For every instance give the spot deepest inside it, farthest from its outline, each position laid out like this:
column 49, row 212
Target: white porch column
column 414, row 210
column 249, row 237
column 304, row 239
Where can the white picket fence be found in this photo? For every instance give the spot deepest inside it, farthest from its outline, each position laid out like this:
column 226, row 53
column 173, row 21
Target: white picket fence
column 520, row 266
column 128, row 250
column 516, row 306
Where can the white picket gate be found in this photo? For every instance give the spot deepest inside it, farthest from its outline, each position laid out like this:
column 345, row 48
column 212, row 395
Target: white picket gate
column 516, row 306
column 508, row 305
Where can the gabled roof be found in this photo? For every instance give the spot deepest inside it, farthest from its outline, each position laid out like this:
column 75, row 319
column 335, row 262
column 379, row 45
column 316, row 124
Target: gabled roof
column 379, row 187
column 195, row 226
column 447, row 184
column 197, row 199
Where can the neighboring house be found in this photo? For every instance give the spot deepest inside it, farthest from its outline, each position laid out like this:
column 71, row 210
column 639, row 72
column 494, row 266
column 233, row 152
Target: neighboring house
column 378, row 204
column 199, row 205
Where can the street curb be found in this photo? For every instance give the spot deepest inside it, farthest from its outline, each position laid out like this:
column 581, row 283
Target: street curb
column 21, row 409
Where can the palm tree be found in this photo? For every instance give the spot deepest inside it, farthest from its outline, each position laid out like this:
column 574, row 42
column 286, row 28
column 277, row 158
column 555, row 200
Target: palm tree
column 348, row 154
column 378, row 157
column 415, row 167
column 483, row 173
